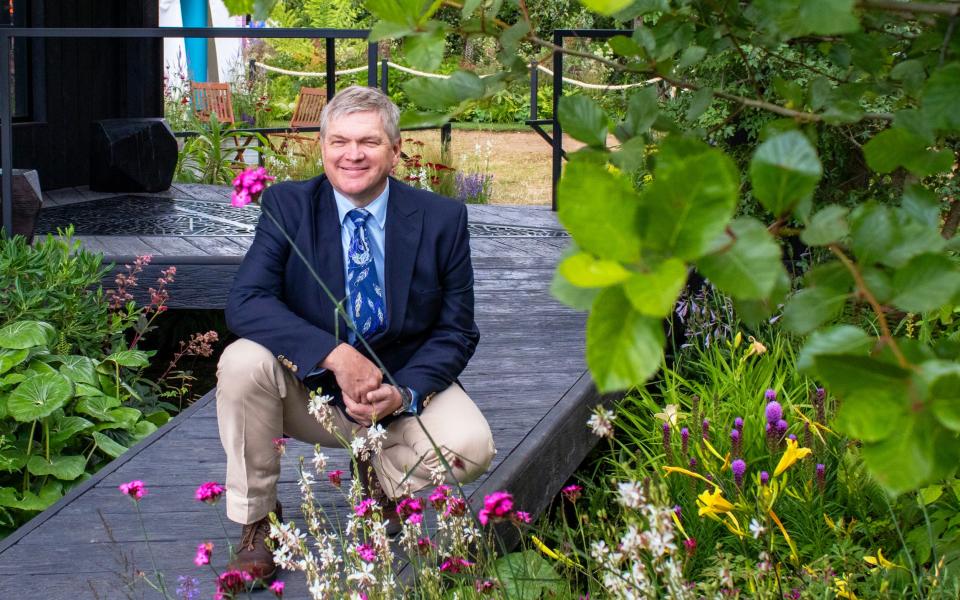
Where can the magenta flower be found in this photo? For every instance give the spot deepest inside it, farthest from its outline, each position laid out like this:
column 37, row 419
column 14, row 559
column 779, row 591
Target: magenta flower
column 334, row 477
column 409, row 508
column 774, row 411
column 209, row 492
column 439, row 496
column 366, row 553
column 204, row 551
column 571, row 492
column 248, row 185
column 739, row 467
column 485, row 586
column 280, row 445
column 455, row 564
column 456, row 507
column 424, row 545
column 690, row 545
column 277, row 588
column 365, row 508
column 496, row 506
column 522, row 517
column 231, row 583
column 135, row 489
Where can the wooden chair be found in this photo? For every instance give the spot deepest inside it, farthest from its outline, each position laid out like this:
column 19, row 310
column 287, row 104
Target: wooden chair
column 212, row 99
column 306, row 113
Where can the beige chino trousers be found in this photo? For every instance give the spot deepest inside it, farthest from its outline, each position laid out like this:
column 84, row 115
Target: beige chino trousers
column 258, row 400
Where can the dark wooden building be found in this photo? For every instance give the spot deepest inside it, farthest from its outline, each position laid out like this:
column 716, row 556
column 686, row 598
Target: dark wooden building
column 61, row 86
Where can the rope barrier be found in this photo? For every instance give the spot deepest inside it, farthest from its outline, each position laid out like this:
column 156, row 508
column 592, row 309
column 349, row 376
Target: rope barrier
column 583, row 84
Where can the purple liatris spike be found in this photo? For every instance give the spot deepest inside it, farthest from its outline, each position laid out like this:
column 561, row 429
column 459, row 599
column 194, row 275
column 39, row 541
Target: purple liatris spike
column 693, row 464
column 781, row 428
column 792, row 437
column 821, row 476
column 735, row 441
column 772, row 437
column 695, row 408
column 764, row 478
column 677, row 510
column 739, row 467
column 770, row 395
column 819, row 402
column 666, row 442
column 705, row 427
column 807, row 435
column 738, row 424
column 684, row 439
column 774, row 411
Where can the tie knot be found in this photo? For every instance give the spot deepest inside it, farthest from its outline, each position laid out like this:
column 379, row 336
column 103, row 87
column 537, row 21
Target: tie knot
column 359, row 216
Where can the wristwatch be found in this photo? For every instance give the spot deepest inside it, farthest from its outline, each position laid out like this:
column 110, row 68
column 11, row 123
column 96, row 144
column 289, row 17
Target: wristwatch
column 406, row 402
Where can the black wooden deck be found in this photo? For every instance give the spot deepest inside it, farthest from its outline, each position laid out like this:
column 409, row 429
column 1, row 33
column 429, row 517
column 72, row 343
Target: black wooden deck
column 528, row 377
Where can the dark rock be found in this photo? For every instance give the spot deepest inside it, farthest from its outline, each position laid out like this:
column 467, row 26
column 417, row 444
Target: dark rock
column 132, row 155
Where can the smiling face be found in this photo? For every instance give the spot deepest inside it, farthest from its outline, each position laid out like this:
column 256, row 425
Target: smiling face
column 358, row 156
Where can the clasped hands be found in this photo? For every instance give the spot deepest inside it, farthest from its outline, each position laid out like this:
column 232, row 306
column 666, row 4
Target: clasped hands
column 365, row 395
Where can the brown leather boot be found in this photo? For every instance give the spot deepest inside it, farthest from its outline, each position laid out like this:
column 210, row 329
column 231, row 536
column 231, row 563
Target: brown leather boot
column 252, row 554
column 373, row 489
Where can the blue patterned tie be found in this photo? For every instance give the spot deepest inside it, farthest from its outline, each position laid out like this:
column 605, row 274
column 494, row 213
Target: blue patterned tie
column 366, row 295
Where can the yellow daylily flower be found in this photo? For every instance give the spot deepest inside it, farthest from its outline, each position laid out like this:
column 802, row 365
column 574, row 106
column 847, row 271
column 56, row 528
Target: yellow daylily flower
column 551, row 553
column 734, row 526
column 755, row 348
column 880, row 560
column 713, row 504
column 786, row 536
column 840, row 589
column 688, row 473
column 829, row 522
column 791, row 455
column 676, row 520
column 712, row 450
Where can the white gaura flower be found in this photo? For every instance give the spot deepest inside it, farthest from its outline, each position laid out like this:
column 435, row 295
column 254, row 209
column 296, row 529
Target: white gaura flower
column 599, row 551
column 319, row 460
column 363, row 576
column 601, row 422
column 358, row 447
column 631, row 494
column 756, row 528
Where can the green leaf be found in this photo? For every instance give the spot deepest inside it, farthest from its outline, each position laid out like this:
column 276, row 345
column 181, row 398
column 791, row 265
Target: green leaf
column 49, row 494
column 911, row 73
column 922, row 205
column 396, row 11
column 691, row 56
column 753, row 312
column 12, row 459
column 700, row 101
column 469, row 6
column 839, row 339
column 583, row 270
column 748, row 265
column 940, row 97
column 828, row 17
column 11, row 358
column 690, row 201
column 624, row 46
column 896, row 147
column 442, row 94
column 64, row 428
column 871, row 415
column 827, row 226
column 784, row 170
column 97, row 406
column 905, row 460
column 385, row 30
column 584, row 120
column 413, row 119
column 599, row 209
column 142, row 430
column 642, row 109
column 129, row 358
column 67, row 468
column 528, row 576
column 848, row 374
column 811, row 308
column 79, row 369
column 655, row 293
column 260, row 9
column 606, row 7
column 941, row 380
column 425, row 50
column 39, row 396
column 125, row 416
column 624, row 347
column 632, row 154
column 571, row 295
column 26, row 334
column 108, row 446
column 925, row 283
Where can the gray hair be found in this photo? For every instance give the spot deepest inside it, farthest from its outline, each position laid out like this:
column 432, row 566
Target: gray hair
column 358, row 98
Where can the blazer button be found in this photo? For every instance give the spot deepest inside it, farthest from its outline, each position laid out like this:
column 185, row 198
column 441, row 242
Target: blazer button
column 280, row 357
column 294, row 368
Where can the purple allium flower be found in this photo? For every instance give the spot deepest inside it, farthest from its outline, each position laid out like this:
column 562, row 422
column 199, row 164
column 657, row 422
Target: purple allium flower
column 738, row 423
column 764, row 478
column 705, row 427
column 770, row 395
column 739, row 467
column 821, row 476
column 684, row 439
column 774, row 411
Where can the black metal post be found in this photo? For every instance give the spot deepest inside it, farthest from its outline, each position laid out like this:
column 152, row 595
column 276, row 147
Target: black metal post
column 534, row 87
column 446, row 134
column 557, row 129
column 331, row 69
column 251, row 69
column 385, row 77
column 372, row 53
column 6, row 136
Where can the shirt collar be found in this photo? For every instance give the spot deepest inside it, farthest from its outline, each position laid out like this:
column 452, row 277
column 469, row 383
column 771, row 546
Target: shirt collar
column 377, row 208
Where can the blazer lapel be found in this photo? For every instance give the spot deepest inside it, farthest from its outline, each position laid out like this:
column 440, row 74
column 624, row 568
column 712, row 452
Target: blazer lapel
column 328, row 255
column 404, row 223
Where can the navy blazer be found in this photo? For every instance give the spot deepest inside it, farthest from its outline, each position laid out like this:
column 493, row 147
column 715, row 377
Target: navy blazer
column 430, row 332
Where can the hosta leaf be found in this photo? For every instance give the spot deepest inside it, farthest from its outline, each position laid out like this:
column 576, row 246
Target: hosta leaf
column 63, row 429
column 654, row 293
column 11, row 358
column 49, row 494
column 785, row 170
column 584, row 120
column 12, row 459
column 109, row 447
column 125, row 416
column 624, row 347
column 79, row 369
column 97, row 406
column 599, row 209
column 66, row 468
column 129, row 358
column 26, row 334
column 748, row 265
column 38, row 397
